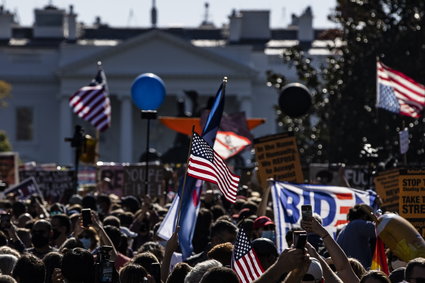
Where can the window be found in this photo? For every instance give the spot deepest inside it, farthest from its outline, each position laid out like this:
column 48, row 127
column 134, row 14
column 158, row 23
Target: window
column 24, row 124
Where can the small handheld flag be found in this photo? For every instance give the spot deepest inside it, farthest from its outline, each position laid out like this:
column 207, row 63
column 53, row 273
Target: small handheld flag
column 91, row 103
column 244, row 260
column 205, row 164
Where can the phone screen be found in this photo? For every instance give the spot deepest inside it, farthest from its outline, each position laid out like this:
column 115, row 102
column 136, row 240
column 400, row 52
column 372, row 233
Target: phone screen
column 306, row 211
column 299, row 238
column 86, row 214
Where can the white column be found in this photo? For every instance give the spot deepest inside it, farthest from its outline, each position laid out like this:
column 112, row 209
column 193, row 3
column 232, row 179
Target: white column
column 246, row 105
column 126, row 123
column 65, row 131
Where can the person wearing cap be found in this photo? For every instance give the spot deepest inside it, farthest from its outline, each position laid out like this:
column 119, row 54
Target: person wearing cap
column 263, row 227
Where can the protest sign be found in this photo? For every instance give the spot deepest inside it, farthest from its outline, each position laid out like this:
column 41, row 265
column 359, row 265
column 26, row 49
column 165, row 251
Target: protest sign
column 24, row 190
column 278, row 158
column 386, row 186
column 9, row 168
column 116, row 175
column 87, row 175
column 331, row 203
column 412, row 198
column 135, row 180
column 55, row 185
column 356, row 176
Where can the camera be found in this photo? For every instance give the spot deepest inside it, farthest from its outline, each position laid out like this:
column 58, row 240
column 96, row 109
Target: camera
column 104, row 267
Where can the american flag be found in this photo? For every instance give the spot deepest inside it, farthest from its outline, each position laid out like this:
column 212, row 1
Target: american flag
column 92, row 104
column 244, row 260
column 205, row 164
column 398, row 93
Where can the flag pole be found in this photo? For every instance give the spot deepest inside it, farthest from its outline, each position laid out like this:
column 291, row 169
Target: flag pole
column 96, row 150
column 179, row 208
column 377, row 90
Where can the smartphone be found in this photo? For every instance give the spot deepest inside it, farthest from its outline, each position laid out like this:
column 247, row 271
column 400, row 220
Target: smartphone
column 299, row 238
column 156, row 271
column 306, row 211
column 5, row 221
column 86, row 214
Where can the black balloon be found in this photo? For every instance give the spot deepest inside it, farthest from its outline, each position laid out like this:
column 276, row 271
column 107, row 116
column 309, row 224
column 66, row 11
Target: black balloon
column 295, row 100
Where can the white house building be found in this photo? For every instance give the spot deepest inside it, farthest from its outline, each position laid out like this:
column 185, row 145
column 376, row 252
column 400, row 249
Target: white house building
column 47, row 62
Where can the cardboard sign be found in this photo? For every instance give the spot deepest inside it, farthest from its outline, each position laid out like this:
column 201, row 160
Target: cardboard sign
column 135, row 180
column 24, row 190
column 55, row 185
column 278, row 158
column 9, row 168
column 412, row 197
column 386, row 186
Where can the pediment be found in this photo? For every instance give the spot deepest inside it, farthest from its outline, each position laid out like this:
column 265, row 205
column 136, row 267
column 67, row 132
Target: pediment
column 160, row 53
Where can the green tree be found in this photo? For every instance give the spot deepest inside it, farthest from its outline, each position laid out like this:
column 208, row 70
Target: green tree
column 4, row 142
column 345, row 87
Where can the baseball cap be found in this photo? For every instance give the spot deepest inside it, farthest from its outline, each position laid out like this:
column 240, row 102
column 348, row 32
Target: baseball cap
column 262, row 222
column 314, row 271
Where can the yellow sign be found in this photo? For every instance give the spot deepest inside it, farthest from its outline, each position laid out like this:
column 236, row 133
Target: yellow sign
column 386, row 185
column 278, row 158
column 412, row 197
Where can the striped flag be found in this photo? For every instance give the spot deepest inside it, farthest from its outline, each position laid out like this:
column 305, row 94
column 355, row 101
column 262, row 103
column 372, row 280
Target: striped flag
column 91, row 103
column 205, row 164
column 244, row 260
column 398, row 93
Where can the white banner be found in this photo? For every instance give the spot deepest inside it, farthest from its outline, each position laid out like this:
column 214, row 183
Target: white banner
column 330, row 202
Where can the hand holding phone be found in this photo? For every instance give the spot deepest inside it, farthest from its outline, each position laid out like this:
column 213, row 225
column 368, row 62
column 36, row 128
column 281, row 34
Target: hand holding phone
column 86, row 215
column 306, row 212
column 299, row 239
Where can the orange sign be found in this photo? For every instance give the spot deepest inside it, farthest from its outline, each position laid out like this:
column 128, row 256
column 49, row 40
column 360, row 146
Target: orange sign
column 412, row 197
column 386, row 185
column 278, row 158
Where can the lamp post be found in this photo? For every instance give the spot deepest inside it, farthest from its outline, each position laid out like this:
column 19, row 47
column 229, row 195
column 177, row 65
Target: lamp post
column 148, row 93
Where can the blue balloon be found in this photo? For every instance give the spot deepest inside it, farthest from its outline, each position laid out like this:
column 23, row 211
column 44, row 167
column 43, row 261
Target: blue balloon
column 148, row 91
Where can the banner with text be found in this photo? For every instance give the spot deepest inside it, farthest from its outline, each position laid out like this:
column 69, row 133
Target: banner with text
column 135, row 180
column 332, row 203
column 278, row 158
column 55, row 185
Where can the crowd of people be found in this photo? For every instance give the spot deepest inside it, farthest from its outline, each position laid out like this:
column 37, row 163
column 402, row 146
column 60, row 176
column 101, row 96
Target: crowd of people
column 102, row 238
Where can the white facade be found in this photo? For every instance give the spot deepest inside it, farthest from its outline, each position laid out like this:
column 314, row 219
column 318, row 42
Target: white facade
column 43, row 78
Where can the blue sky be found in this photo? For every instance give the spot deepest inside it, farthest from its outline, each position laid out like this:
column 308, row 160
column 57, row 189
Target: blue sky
column 172, row 12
